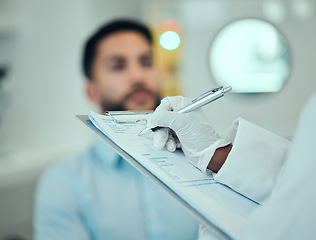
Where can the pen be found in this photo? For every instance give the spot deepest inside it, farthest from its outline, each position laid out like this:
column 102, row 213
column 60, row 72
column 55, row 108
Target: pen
column 198, row 102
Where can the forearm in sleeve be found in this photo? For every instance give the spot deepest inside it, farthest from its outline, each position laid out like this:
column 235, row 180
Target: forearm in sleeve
column 254, row 161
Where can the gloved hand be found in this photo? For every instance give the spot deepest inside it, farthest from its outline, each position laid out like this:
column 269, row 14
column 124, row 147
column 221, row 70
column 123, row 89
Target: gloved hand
column 190, row 131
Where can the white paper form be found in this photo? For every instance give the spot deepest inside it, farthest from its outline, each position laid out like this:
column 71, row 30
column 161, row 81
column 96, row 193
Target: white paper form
column 222, row 207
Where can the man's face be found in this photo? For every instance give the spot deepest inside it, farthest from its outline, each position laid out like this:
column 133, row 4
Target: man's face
column 123, row 74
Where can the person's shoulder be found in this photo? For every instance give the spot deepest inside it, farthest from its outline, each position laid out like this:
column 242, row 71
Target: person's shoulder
column 78, row 166
column 67, row 165
column 63, row 177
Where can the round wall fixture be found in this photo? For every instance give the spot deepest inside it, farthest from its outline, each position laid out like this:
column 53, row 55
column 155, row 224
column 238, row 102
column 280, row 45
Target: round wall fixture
column 251, row 56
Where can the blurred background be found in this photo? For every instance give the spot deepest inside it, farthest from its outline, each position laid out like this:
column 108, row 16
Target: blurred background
column 264, row 49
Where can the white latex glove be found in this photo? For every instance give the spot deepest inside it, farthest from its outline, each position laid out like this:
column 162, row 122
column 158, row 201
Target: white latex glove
column 194, row 134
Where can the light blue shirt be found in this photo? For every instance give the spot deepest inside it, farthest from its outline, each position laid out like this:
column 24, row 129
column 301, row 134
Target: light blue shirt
column 98, row 195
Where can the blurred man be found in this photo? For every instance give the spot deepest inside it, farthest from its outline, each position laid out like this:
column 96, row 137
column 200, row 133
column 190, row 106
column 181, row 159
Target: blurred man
column 96, row 194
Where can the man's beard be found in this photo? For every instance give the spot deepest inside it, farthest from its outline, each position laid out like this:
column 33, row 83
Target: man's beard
column 121, row 105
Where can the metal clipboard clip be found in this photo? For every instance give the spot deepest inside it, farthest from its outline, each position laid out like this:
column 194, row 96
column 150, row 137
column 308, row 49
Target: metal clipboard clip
column 111, row 114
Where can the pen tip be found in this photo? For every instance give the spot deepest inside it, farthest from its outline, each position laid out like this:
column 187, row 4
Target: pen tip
column 144, row 131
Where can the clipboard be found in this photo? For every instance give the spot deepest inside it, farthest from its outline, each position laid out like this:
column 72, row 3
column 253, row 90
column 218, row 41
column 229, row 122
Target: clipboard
column 215, row 228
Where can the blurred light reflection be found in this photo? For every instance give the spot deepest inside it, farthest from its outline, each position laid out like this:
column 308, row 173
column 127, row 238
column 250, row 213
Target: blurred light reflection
column 170, row 40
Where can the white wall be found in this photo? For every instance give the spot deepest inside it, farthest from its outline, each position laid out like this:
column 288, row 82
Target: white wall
column 46, row 88
column 277, row 112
